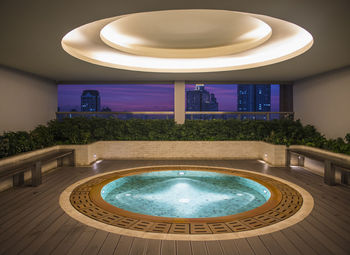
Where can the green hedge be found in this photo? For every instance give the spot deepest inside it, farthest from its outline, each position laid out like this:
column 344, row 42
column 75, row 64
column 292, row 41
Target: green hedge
column 85, row 130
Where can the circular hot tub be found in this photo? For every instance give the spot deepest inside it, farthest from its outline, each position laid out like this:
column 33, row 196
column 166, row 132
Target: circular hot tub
column 186, row 202
column 185, row 194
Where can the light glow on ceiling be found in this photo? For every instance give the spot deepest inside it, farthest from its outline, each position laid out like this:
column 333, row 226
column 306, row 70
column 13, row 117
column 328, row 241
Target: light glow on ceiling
column 139, row 44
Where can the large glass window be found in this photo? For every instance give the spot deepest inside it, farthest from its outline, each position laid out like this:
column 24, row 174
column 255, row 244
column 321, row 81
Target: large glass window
column 117, row 98
column 216, row 101
column 232, row 98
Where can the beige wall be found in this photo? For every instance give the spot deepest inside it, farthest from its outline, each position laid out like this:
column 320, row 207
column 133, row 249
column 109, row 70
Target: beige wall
column 324, row 101
column 272, row 154
column 25, row 100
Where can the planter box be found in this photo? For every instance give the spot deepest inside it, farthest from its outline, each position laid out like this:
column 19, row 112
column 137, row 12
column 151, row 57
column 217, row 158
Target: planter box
column 274, row 155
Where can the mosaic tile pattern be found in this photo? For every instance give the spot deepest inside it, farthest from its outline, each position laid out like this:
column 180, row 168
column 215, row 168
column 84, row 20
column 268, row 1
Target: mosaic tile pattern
column 288, row 205
column 185, row 194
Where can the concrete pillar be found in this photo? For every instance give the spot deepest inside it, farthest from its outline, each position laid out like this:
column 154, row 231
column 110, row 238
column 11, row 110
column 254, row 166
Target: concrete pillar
column 179, row 102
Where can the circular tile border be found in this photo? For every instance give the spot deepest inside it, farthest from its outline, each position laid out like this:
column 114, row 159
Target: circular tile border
column 288, row 205
column 89, row 193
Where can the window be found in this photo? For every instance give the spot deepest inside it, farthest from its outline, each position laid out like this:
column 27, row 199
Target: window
column 117, row 98
column 232, row 98
column 216, row 101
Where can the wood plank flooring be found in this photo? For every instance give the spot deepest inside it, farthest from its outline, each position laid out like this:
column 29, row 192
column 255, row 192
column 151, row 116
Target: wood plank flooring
column 32, row 222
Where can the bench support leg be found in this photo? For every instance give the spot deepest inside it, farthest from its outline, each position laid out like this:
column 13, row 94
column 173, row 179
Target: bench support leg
column 60, row 162
column 67, row 160
column 18, row 179
column 329, row 173
column 288, row 158
column 344, row 178
column 36, row 174
column 301, row 160
column 72, row 159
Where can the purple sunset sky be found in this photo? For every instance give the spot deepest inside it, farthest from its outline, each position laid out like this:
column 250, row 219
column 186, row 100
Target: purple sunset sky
column 150, row 97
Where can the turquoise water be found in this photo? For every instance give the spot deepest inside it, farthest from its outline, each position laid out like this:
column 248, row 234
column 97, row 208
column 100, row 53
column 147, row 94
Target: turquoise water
column 185, row 194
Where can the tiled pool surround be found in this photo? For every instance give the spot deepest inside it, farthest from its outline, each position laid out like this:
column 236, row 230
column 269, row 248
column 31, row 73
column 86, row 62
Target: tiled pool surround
column 285, row 202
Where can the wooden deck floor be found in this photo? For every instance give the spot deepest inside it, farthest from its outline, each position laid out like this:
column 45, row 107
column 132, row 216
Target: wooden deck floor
column 32, row 222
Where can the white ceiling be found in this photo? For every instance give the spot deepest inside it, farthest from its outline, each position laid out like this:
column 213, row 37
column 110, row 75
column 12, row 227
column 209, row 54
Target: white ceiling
column 31, row 33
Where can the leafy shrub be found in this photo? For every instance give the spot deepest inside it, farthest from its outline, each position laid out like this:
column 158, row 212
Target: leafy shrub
column 42, row 137
column 4, row 147
column 16, row 142
column 347, row 137
column 87, row 130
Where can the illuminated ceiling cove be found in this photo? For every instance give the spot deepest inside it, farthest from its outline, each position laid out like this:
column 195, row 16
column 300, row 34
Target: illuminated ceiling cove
column 187, row 41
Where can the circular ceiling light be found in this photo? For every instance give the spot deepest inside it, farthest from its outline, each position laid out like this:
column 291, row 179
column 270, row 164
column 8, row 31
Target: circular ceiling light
column 184, row 41
column 185, row 34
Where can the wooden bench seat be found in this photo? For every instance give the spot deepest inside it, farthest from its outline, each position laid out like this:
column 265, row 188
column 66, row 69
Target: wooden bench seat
column 17, row 169
column 331, row 163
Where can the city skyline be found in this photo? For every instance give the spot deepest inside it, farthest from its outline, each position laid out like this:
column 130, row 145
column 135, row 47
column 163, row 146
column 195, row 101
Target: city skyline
column 135, row 97
column 200, row 99
column 254, row 98
column 150, row 97
column 90, row 101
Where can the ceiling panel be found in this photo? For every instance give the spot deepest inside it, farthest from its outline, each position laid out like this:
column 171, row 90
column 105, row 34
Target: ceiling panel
column 31, row 33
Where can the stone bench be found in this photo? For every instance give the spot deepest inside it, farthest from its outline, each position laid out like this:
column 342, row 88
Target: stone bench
column 331, row 163
column 17, row 169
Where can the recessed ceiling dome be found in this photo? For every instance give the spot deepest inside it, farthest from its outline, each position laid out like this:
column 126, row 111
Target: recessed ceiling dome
column 185, row 33
column 187, row 41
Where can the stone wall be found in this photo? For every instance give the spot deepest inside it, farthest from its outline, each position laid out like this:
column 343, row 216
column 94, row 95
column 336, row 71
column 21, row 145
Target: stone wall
column 274, row 155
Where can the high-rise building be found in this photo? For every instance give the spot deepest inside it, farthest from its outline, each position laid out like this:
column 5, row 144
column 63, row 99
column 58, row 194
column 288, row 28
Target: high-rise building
column 90, row 101
column 201, row 100
column 245, row 100
column 254, row 98
column 262, row 98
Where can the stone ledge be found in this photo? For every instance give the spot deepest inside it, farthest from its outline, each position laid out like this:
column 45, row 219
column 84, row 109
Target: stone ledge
column 322, row 151
column 88, row 153
column 85, row 155
column 275, row 155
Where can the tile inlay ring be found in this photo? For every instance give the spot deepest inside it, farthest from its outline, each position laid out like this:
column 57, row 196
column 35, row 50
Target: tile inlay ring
column 288, row 205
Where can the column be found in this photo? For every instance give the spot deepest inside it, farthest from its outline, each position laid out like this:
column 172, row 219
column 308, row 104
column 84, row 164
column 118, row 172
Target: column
column 179, row 102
